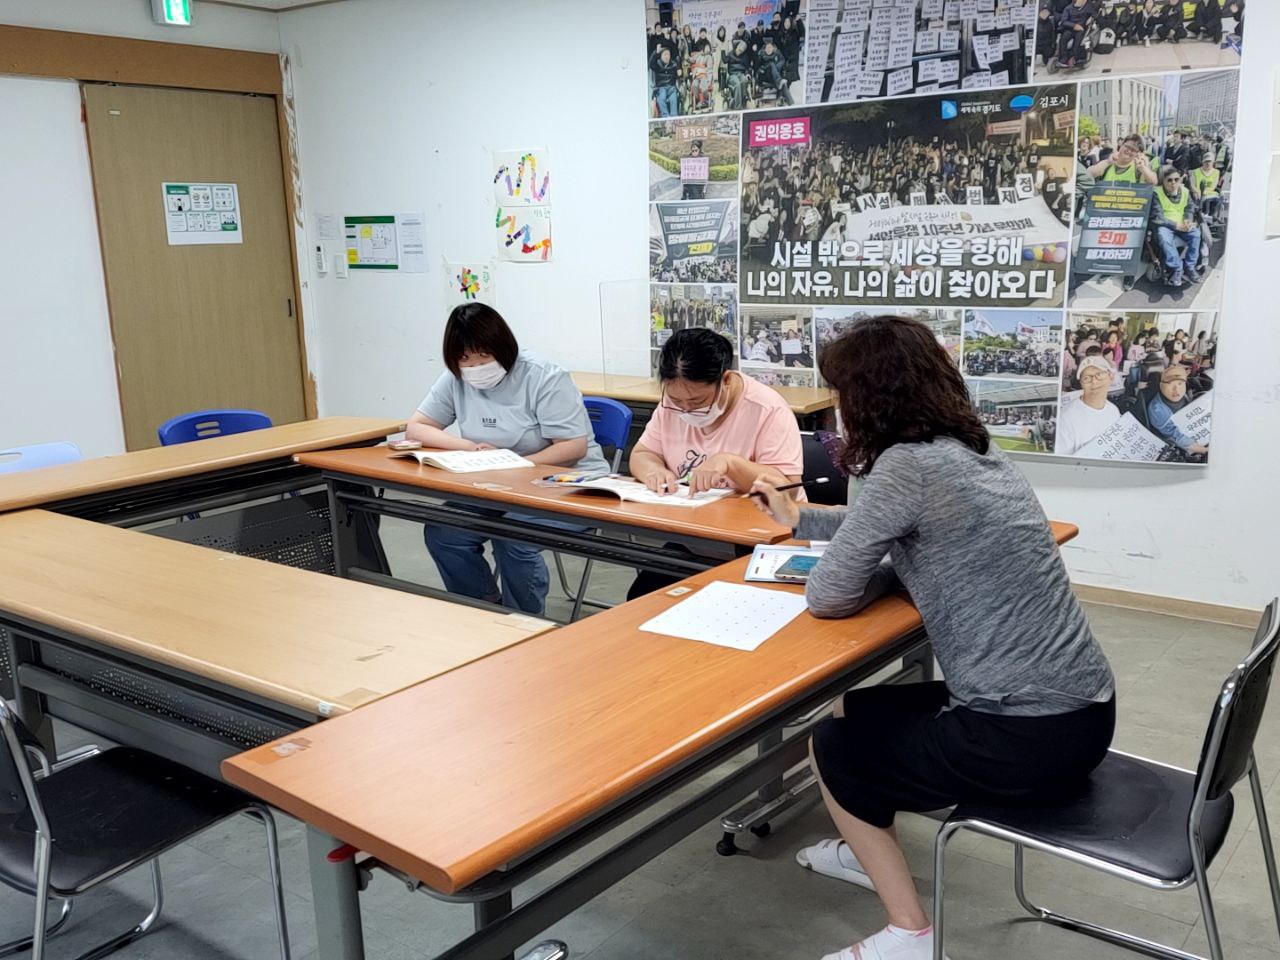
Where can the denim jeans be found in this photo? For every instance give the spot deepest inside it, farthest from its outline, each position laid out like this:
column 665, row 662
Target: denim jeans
column 459, row 556
column 1168, row 239
column 668, row 101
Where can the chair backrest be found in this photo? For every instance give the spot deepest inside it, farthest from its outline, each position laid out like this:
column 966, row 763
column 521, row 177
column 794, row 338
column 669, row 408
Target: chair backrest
column 203, row 424
column 818, row 463
column 1237, row 714
column 611, row 421
column 38, row 455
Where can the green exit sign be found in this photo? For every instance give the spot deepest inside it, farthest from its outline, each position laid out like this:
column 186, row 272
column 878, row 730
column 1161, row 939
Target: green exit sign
column 173, row 13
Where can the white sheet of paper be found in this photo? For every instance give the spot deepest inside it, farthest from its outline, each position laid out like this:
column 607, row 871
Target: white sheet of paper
column 949, row 40
column 986, row 21
column 413, row 244
column 729, row 615
column 1000, row 79
column 869, row 84
column 927, row 41
column 1009, row 42
column 931, row 9
column 900, row 81
column 977, row 81
column 927, row 71
column 968, row 9
column 949, row 71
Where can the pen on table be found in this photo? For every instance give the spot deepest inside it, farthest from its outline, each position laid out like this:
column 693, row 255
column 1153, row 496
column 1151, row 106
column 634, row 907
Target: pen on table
column 788, row 486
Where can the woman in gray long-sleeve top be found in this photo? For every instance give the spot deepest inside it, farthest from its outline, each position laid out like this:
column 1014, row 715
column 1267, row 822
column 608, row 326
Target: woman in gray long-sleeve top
column 1027, row 709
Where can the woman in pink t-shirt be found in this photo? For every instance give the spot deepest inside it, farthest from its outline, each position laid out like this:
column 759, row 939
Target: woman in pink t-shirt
column 714, row 428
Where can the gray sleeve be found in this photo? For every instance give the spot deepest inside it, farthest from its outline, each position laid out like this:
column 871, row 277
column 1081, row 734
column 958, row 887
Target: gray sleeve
column 438, row 404
column 819, row 524
column 853, row 571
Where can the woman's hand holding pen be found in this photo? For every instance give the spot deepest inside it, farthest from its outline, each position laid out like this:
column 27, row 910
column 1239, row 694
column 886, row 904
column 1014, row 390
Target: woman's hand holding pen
column 661, row 480
column 775, row 503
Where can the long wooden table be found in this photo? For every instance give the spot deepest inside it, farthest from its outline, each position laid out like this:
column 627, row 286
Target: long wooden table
column 196, row 654
column 489, row 774
column 105, row 483
column 509, row 504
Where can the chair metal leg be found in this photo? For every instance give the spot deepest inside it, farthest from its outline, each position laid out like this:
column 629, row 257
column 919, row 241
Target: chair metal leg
column 263, row 814
column 44, row 857
column 1206, row 900
column 147, row 922
column 24, row 943
column 1264, row 832
column 582, row 592
column 939, row 886
column 564, row 577
column 548, row 950
column 1118, row 937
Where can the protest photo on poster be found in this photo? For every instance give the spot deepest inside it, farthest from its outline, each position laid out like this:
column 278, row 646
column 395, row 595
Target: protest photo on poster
column 1020, row 415
column 1012, row 344
column 780, row 378
column 1156, row 367
column 827, row 213
column 521, row 177
column 1156, row 157
column 865, row 49
column 694, row 158
column 778, row 337
column 679, row 306
column 829, row 323
column 710, row 56
column 1091, row 38
column 693, row 241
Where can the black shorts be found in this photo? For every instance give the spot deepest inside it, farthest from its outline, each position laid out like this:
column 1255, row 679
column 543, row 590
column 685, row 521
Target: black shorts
column 896, row 748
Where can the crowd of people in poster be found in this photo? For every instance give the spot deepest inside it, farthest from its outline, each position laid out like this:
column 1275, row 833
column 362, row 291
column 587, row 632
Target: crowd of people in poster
column 1045, row 183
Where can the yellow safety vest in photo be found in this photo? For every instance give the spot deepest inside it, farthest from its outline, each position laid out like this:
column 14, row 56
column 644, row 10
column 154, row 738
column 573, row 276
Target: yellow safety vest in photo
column 1128, row 176
column 1175, row 211
column 1206, row 184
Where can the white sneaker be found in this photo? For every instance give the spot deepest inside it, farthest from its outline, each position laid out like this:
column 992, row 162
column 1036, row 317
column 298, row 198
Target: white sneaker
column 891, row 943
column 833, row 858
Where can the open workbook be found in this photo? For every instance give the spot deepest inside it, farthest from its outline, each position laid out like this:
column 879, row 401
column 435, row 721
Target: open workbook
column 466, row 461
column 633, row 491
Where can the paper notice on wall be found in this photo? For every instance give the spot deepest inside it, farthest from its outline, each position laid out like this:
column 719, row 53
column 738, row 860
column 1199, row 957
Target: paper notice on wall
column 411, row 232
column 949, row 41
column 523, row 234
column 927, row 41
column 201, row 213
column 521, row 177
column 900, row 81
column 949, row 71
column 902, row 40
column 1194, row 419
column 327, row 227
column 977, row 81
column 931, row 9
column 371, row 242
column 469, row 281
column 1126, row 439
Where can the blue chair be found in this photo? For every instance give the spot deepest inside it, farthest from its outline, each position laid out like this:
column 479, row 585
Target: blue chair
column 202, row 424
column 35, row 455
column 611, row 424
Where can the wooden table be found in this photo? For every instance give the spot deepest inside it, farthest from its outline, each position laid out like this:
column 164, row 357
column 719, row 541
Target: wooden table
column 507, row 504
column 101, row 487
column 488, row 774
column 196, row 654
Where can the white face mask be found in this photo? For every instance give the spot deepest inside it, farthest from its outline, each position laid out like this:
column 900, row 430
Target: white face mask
column 704, row 419
column 485, row 375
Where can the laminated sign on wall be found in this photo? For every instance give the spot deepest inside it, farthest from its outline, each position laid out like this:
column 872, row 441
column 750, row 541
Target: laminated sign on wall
column 1054, row 211
column 201, row 213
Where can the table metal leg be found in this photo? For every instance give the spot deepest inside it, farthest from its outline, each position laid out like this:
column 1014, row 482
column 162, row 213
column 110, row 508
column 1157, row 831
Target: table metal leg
column 336, row 898
column 30, row 704
column 488, row 911
column 921, row 659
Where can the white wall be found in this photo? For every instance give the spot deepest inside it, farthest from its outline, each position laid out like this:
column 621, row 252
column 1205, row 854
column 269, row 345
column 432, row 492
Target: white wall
column 399, row 105
column 57, row 368
column 1204, row 534
column 212, row 25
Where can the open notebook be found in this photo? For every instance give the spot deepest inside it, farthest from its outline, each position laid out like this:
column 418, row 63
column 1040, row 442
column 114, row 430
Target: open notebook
column 466, row 461
column 633, row 491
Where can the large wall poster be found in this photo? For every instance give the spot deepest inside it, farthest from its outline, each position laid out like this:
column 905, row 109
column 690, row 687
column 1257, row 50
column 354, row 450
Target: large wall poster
column 1058, row 217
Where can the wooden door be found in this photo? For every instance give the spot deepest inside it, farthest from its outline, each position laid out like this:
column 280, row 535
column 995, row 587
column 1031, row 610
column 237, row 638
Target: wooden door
column 205, row 325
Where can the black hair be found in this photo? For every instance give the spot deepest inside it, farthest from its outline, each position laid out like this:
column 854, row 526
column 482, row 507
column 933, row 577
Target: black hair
column 478, row 328
column 695, row 354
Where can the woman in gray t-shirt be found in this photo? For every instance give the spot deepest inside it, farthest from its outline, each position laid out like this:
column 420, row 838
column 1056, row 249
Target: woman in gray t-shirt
column 500, row 398
column 1027, row 709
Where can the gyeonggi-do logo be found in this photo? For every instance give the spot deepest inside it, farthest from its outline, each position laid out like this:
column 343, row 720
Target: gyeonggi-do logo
column 949, row 110
column 1022, row 103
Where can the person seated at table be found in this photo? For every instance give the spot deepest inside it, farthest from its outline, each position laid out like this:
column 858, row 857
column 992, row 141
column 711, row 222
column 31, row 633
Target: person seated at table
column 1028, row 706
column 713, row 428
column 500, row 397
column 1173, row 221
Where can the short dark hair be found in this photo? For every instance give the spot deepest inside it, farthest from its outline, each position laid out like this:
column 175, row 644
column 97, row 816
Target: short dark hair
column 1132, row 138
column 478, row 328
column 897, row 384
column 695, row 354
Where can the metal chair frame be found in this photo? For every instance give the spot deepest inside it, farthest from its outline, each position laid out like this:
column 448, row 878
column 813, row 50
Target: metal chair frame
column 1266, row 642
column 18, row 750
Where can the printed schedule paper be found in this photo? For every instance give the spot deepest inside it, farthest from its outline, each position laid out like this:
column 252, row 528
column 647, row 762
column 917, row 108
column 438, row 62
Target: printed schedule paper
column 729, row 615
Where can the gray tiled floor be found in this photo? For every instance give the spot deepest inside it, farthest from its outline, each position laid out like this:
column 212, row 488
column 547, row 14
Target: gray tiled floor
column 691, row 903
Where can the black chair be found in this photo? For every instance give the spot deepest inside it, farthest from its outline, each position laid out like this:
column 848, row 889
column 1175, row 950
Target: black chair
column 1153, row 824
column 818, row 463
column 66, row 829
